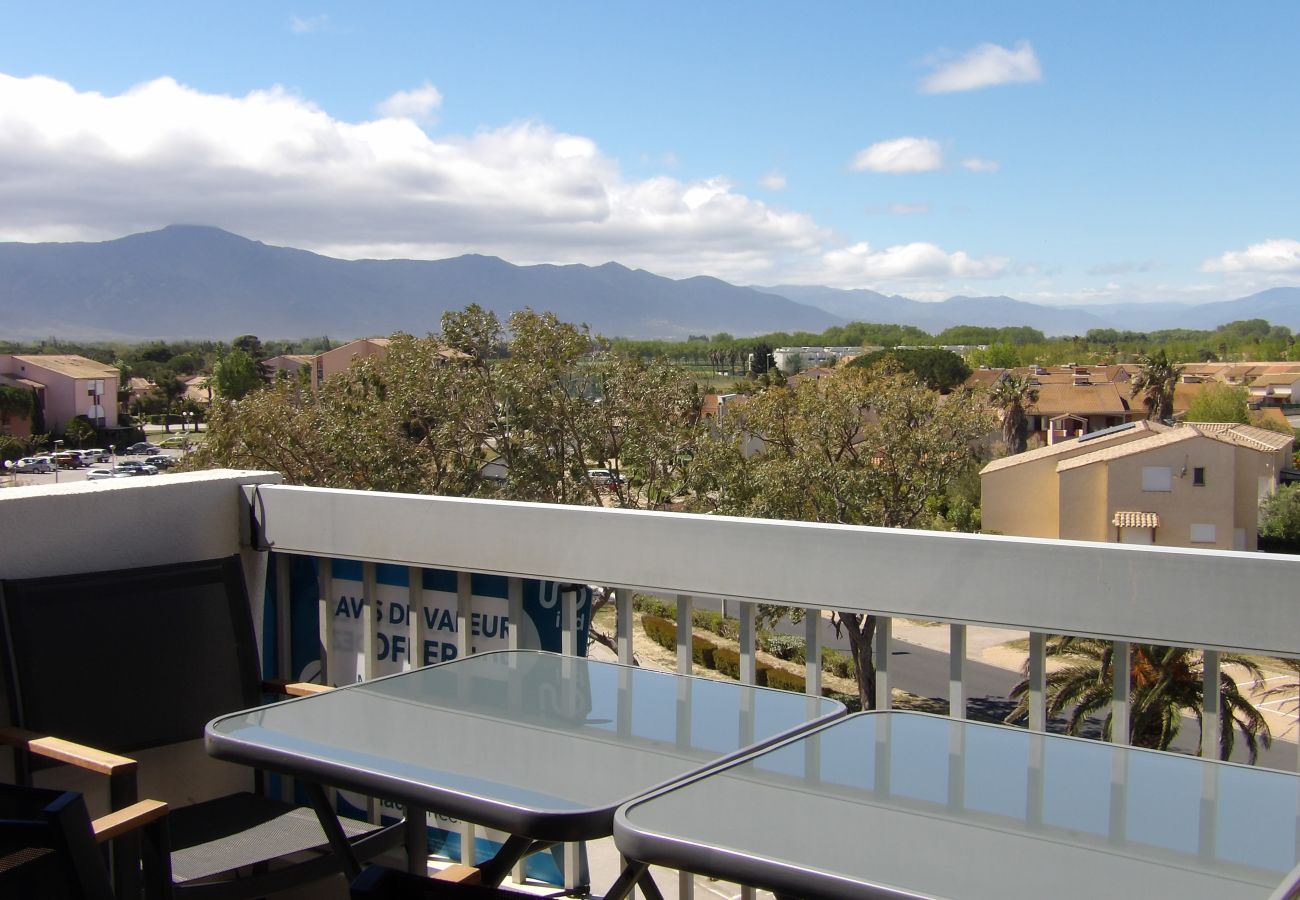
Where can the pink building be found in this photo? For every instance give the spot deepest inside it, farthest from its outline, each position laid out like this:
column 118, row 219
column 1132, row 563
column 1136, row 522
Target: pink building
column 73, row 386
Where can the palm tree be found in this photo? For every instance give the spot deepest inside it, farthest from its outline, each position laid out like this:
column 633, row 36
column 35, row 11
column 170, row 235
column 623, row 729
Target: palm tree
column 1156, row 382
column 1288, row 692
column 1013, row 395
column 1165, row 683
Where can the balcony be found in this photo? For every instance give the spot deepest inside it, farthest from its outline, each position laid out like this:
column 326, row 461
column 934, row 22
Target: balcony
column 1214, row 601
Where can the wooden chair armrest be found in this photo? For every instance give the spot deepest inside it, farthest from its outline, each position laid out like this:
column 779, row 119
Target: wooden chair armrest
column 294, row 688
column 74, row 754
column 460, row 874
column 128, row 819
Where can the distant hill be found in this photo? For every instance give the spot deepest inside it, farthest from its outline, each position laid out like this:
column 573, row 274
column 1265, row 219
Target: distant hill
column 1281, row 306
column 196, row 281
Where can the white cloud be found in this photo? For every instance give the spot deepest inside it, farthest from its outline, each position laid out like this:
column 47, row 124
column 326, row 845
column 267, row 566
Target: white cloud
column 903, row 155
column 908, row 209
column 919, row 260
column 1271, row 257
column 975, row 164
column 273, row 166
column 419, row 104
column 773, row 181
column 308, row 24
column 985, row 66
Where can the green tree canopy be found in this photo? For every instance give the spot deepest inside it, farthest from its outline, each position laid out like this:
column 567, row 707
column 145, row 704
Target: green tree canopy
column 1219, row 402
column 236, row 376
column 544, row 406
column 941, row 370
column 865, row 447
column 1279, row 517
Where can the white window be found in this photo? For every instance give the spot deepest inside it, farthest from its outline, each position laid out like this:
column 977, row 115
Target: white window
column 1157, row 478
column 1203, row 534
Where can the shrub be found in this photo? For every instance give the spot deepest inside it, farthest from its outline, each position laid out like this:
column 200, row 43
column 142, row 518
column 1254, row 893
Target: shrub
column 708, row 619
column 660, row 630
column 654, row 606
column 837, row 663
column 786, row 681
column 783, row 646
column 702, row 651
column 727, row 662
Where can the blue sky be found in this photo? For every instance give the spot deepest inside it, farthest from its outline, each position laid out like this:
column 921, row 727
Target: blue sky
column 1107, row 152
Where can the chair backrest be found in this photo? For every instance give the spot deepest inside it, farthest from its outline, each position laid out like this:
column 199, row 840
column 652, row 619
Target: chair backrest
column 47, row 849
column 129, row 659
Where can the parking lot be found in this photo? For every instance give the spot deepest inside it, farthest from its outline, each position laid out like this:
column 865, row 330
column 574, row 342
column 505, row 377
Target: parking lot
column 64, row 476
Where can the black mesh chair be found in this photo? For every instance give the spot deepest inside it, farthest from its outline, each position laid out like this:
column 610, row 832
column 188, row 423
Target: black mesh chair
column 49, row 847
column 134, row 659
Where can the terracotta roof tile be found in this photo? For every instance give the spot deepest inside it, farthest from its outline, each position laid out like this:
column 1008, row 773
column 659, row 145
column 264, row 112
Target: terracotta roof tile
column 1125, row 519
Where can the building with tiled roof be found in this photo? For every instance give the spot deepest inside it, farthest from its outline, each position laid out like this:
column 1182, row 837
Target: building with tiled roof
column 1276, row 388
column 71, row 386
column 332, row 362
column 1194, row 485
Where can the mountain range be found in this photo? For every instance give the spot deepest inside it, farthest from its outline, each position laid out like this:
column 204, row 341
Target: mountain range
column 198, row 281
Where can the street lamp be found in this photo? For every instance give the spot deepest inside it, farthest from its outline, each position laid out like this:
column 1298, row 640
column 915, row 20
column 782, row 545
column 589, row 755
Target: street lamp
column 55, row 457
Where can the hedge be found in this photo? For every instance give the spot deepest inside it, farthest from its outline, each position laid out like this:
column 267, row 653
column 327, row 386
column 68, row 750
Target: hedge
column 661, row 631
column 786, row 681
column 727, row 662
column 664, row 633
column 837, row 663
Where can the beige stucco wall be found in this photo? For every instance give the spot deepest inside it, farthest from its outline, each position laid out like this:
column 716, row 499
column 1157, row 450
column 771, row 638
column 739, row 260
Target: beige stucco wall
column 331, row 362
column 1084, row 501
column 1186, row 504
column 1021, row 499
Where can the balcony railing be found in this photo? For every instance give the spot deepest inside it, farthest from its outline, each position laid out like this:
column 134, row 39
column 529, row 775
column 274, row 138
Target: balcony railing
column 1211, row 600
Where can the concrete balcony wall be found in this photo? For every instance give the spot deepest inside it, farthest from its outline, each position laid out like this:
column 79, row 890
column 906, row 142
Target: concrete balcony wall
column 126, row 523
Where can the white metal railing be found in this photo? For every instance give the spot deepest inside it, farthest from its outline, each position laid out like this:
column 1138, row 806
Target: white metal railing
column 1210, row 600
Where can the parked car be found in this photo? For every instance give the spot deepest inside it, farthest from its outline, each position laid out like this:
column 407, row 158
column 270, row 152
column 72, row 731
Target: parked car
column 69, row 459
column 100, row 474
column 604, row 476
column 135, row 467
column 34, row 465
column 144, row 448
column 162, row 462
column 175, row 442
column 97, row 454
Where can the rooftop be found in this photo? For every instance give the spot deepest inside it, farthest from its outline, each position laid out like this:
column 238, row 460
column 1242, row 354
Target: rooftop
column 71, row 365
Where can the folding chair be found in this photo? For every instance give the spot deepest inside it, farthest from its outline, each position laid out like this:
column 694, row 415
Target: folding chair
column 112, row 663
column 49, row 845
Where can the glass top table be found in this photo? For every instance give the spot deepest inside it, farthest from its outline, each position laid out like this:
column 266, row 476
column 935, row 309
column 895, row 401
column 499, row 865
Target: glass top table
column 898, row 804
column 531, row 743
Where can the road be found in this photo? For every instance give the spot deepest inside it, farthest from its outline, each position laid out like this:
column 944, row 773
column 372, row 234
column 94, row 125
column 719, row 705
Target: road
column 924, row 671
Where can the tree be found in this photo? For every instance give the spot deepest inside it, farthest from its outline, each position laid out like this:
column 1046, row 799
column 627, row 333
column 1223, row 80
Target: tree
column 169, row 390
column 1279, row 517
column 81, row 432
column 941, row 370
column 546, row 406
column 1013, row 395
column 1165, row 683
column 864, row 447
column 236, row 375
column 761, row 359
column 1156, row 383
column 1219, row 402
